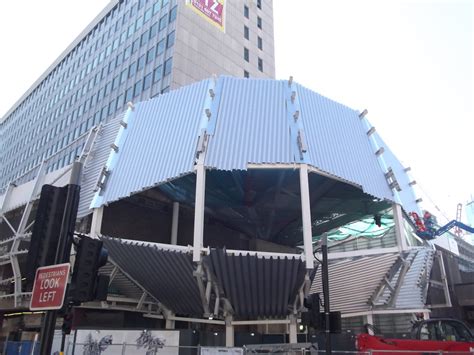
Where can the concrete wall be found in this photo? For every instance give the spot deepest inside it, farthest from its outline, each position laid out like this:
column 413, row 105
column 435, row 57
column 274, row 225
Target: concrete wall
column 202, row 49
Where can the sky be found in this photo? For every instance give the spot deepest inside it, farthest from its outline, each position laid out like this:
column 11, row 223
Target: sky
column 409, row 63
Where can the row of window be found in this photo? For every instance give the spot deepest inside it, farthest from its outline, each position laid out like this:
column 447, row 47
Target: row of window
column 51, row 103
column 40, row 107
column 116, row 104
column 247, row 37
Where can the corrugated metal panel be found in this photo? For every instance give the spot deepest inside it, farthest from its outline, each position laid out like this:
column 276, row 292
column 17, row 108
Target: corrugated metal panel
column 352, row 282
column 251, row 126
column 166, row 275
column 413, row 289
column 393, row 325
column 407, row 194
column 338, row 144
column 257, row 287
column 160, row 144
column 95, row 162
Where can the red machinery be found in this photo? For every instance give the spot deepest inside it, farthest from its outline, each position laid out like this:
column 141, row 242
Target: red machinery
column 431, row 335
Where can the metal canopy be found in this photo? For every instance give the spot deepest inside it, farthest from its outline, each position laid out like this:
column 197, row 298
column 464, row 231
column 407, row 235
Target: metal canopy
column 395, row 281
column 239, row 123
column 266, row 203
column 167, row 275
column 257, row 287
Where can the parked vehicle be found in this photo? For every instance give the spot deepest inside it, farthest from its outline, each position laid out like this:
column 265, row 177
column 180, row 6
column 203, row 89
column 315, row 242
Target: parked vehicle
column 431, row 335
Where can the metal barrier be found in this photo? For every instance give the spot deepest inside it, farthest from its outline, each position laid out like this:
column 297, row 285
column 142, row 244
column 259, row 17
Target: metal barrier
column 32, row 348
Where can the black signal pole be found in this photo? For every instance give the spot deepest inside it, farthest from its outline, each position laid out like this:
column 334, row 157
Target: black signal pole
column 63, row 251
column 325, row 279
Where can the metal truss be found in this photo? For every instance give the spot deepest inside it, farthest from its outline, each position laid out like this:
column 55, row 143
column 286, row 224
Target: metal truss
column 10, row 246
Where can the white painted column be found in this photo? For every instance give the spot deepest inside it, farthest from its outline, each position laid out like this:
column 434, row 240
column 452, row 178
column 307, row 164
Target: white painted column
column 174, row 224
column 293, row 330
column 399, row 228
column 169, row 323
column 306, row 216
column 369, row 319
column 96, row 225
column 229, row 332
column 199, row 212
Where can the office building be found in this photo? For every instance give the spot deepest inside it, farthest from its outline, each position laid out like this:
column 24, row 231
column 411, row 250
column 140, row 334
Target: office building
column 132, row 51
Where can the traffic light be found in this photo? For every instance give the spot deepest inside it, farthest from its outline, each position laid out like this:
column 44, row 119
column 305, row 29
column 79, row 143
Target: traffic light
column 312, row 318
column 68, row 319
column 86, row 284
column 46, row 230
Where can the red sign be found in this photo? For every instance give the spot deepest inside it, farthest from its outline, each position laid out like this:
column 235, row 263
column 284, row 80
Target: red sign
column 211, row 10
column 49, row 288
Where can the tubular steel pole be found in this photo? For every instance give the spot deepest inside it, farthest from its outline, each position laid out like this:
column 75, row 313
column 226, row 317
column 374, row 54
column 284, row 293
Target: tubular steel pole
column 325, row 278
column 63, row 252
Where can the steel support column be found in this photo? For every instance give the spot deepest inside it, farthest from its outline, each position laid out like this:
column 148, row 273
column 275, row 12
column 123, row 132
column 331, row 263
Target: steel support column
column 229, row 332
column 306, row 216
column 174, row 224
column 399, row 228
column 96, row 225
column 293, row 329
column 199, row 211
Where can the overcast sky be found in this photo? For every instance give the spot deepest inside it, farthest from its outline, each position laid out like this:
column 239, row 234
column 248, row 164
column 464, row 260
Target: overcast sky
column 410, row 63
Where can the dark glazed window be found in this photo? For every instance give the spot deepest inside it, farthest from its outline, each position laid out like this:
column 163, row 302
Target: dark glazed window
column 260, row 43
column 168, row 65
column 246, row 54
column 259, row 22
column 246, row 11
column 173, row 13
column 246, row 32
column 138, row 88
column 147, row 81
column 170, row 40
column 260, row 64
column 157, row 73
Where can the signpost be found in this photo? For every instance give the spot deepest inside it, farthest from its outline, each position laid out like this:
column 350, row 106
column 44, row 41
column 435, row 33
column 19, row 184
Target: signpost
column 49, row 287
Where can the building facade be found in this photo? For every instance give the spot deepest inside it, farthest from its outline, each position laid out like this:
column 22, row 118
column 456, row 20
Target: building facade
column 132, row 51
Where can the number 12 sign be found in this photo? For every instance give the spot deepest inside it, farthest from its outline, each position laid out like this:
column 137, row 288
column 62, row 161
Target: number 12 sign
column 211, row 10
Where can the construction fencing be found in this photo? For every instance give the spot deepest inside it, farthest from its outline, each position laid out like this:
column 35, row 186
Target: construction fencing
column 32, row 348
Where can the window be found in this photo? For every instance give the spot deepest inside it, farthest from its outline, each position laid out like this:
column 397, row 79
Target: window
column 168, row 65
column 144, row 38
column 163, row 22
column 165, row 90
column 147, row 81
column 246, row 32
column 260, row 42
column 170, row 40
column 132, row 69
column 115, row 82
column 259, row 4
column 148, row 14
column 246, row 54
column 260, row 64
column 157, row 73
column 129, row 94
column 138, row 88
column 259, row 22
column 141, row 63
column 173, row 12
column 150, row 55
column 160, row 47
column 123, row 75
column 246, row 74
column 135, row 45
column 153, row 30
column 246, row 11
